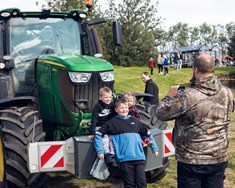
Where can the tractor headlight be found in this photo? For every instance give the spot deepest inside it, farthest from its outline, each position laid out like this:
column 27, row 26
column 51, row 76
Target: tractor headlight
column 107, row 76
column 5, row 14
column 2, row 65
column 10, row 12
column 79, row 77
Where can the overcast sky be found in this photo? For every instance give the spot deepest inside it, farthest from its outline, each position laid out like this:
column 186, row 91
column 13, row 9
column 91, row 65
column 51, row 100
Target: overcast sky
column 193, row 12
column 21, row 4
column 196, row 12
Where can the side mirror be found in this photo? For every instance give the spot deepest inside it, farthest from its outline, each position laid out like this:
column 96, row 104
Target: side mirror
column 117, row 33
column 96, row 21
column 94, row 42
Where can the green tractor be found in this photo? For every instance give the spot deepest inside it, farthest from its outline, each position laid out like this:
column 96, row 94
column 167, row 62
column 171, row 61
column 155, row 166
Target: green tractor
column 50, row 75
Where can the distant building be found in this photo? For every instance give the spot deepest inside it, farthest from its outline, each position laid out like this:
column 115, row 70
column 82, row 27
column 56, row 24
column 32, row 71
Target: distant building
column 189, row 52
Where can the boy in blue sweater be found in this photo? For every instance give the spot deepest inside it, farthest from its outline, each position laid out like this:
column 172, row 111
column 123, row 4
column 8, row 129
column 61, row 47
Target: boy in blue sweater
column 126, row 134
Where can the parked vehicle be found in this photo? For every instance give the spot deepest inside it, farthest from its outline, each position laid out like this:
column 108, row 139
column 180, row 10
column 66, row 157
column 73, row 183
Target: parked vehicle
column 50, row 75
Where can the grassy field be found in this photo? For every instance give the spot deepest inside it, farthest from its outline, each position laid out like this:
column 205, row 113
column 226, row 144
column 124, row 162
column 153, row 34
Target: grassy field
column 128, row 79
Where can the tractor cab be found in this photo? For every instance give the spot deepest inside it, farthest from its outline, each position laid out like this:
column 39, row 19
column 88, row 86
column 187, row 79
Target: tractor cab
column 55, row 57
column 30, row 37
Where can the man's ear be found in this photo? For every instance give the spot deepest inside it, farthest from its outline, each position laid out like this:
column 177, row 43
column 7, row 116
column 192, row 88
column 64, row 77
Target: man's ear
column 195, row 69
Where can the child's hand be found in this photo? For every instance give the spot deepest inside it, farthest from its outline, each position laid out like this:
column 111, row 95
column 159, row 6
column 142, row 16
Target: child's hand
column 155, row 154
column 101, row 156
column 91, row 137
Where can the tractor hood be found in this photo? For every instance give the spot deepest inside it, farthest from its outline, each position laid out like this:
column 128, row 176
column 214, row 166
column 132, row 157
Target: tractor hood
column 76, row 62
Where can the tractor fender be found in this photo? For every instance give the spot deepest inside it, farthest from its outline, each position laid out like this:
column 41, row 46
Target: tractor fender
column 18, row 101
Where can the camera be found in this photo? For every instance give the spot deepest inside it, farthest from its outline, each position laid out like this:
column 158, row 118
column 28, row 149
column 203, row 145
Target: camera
column 181, row 87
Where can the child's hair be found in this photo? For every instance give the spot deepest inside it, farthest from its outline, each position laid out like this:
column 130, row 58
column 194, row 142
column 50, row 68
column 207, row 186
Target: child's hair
column 104, row 90
column 120, row 101
column 130, row 95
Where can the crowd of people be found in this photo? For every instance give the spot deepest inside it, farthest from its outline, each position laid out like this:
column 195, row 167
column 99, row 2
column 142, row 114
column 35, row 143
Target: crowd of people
column 202, row 115
column 164, row 62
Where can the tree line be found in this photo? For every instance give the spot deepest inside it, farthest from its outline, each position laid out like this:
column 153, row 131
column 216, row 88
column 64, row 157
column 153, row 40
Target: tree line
column 142, row 31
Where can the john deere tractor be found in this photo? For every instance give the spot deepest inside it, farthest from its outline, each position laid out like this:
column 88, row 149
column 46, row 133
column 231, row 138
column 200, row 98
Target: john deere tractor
column 51, row 70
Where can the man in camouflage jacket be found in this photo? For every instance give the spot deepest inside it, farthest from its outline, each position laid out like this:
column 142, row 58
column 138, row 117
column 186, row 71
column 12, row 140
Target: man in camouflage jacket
column 202, row 115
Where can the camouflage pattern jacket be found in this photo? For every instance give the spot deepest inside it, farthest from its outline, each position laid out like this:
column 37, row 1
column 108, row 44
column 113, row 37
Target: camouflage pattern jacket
column 202, row 115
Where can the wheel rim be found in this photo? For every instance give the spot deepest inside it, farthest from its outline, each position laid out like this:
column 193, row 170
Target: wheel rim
column 1, row 161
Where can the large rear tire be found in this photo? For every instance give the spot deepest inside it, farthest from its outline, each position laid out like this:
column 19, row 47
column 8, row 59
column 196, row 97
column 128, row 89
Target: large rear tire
column 149, row 118
column 19, row 126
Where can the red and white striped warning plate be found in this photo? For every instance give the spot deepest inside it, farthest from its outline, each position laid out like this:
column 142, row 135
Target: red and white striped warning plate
column 52, row 156
column 169, row 148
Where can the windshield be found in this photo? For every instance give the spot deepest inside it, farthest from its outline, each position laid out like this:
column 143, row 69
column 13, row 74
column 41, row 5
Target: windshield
column 32, row 37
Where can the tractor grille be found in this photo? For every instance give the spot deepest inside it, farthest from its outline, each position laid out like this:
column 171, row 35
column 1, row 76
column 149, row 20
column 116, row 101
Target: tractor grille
column 87, row 91
column 90, row 90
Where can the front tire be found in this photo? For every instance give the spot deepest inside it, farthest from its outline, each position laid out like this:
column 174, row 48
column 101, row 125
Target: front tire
column 19, row 126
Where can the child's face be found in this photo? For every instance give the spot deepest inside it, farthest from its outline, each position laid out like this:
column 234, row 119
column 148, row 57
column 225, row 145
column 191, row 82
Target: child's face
column 106, row 98
column 130, row 101
column 122, row 110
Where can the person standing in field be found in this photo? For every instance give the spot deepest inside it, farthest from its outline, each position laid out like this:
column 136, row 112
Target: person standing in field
column 165, row 65
column 151, row 65
column 176, row 60
column 202, row 115
column 160, row 63
column 150, row 88
column 180, row 60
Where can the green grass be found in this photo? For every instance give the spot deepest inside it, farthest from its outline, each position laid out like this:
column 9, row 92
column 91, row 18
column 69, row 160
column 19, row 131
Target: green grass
column 128, row 79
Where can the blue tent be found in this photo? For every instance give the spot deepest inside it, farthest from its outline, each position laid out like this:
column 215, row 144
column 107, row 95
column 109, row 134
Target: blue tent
column 186, row 49
column 189, row 52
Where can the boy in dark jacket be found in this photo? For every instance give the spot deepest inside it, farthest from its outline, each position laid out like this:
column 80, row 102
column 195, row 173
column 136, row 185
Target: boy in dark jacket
column 102, row 112
column 103, row 109
column 126, row 134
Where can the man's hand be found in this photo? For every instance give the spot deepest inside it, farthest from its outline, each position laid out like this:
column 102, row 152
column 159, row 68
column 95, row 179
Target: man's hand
column 101, row 156
column 173, row 91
